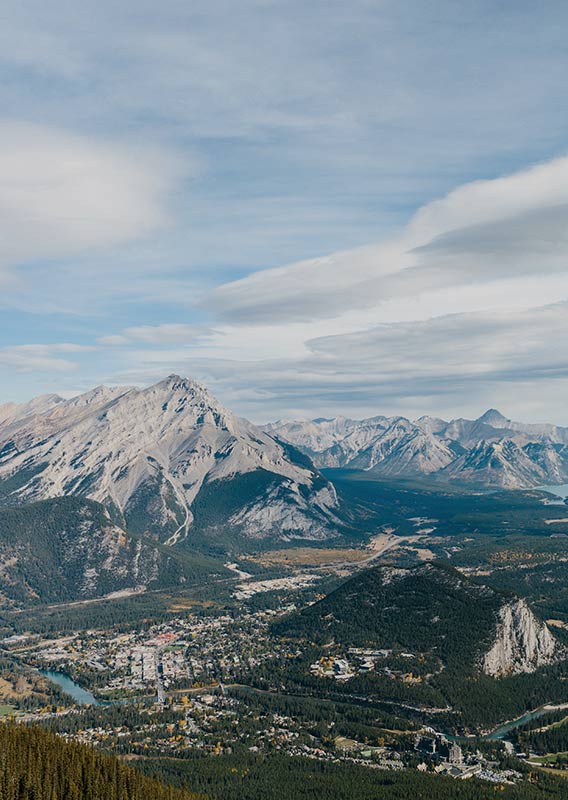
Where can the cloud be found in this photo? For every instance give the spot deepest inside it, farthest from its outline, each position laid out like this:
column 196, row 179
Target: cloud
column 168, row 333
column 469, row 299
column 487, row 346
column 29, row 358
column 449, row 365
column 486, row 230
column 62, row 194
column 322, row 126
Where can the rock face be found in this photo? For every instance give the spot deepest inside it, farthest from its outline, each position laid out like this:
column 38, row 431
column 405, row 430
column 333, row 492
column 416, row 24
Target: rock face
column 152, row 454
column 490, row 451
column 402, row 449
column 522, row 642
column 331, row 442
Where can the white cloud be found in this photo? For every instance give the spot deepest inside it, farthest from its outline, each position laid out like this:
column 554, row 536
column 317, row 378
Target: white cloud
column 62, row 194
column 41, row 357
column 487, row 230
column 325, row 126
column 168, row 333
column 449, row 365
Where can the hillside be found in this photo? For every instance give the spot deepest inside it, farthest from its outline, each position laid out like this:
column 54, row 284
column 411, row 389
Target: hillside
column 36, row 765
column 69, row 549
column 433, row 610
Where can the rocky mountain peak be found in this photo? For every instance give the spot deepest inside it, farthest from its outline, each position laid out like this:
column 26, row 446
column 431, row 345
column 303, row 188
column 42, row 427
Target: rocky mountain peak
column 493, row 417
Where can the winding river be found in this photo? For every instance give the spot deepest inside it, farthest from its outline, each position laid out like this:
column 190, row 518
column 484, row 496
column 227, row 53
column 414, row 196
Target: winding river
column 83, row 697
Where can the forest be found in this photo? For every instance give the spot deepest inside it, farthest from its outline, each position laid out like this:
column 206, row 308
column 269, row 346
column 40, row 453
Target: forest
column 36, row 765
column 255, row 776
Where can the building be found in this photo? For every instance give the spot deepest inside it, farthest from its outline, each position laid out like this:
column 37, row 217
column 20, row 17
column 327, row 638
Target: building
column 456, row 754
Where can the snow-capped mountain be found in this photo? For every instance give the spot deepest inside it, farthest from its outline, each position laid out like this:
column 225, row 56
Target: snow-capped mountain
column 491, row 450
column 169, row 460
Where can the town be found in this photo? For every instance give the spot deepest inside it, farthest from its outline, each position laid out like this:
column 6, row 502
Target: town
column 181, row 686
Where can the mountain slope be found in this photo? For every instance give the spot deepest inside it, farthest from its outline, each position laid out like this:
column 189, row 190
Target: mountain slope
column 69, row 549
column 502, row 463
column 149, row 453
column 423, row 609
column 330, row 442
column 37, row 765
column 402, row 449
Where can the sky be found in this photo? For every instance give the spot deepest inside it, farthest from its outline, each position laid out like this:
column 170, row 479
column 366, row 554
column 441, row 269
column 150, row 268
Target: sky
column 314, row 208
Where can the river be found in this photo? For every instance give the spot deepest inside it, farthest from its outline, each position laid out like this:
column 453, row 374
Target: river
column 502, row 730
column 81, row 696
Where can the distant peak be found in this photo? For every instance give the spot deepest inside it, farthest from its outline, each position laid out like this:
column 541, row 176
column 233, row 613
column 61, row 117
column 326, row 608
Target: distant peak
column 97, row 395
column 492, row 416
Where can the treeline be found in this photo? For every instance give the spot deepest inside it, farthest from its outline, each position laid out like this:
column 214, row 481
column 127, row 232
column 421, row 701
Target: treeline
column 36, row 765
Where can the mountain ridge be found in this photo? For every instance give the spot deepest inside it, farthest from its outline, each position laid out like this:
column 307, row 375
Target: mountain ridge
column 489, row 451
column 421, row 609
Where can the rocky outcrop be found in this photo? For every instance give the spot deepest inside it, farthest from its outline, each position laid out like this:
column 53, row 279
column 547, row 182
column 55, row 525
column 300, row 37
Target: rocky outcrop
column 522, row 642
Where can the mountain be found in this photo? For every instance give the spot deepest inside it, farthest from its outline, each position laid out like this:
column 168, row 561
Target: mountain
column 489, row 451
column 13, row 412
column 492, row 426
column 169, row 462
column 69, row 549
column 502, row 463
column 402, row 449
column 430, row 609
column 330, row 442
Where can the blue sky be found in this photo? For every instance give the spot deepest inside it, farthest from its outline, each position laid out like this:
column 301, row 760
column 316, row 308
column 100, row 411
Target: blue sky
column 316, row 208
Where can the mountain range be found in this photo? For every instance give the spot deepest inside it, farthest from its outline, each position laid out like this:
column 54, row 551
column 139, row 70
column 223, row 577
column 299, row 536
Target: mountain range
column 116, row 488
column 490, row 451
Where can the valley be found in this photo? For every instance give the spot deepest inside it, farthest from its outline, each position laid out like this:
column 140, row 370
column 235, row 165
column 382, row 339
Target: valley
column 184, row 589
